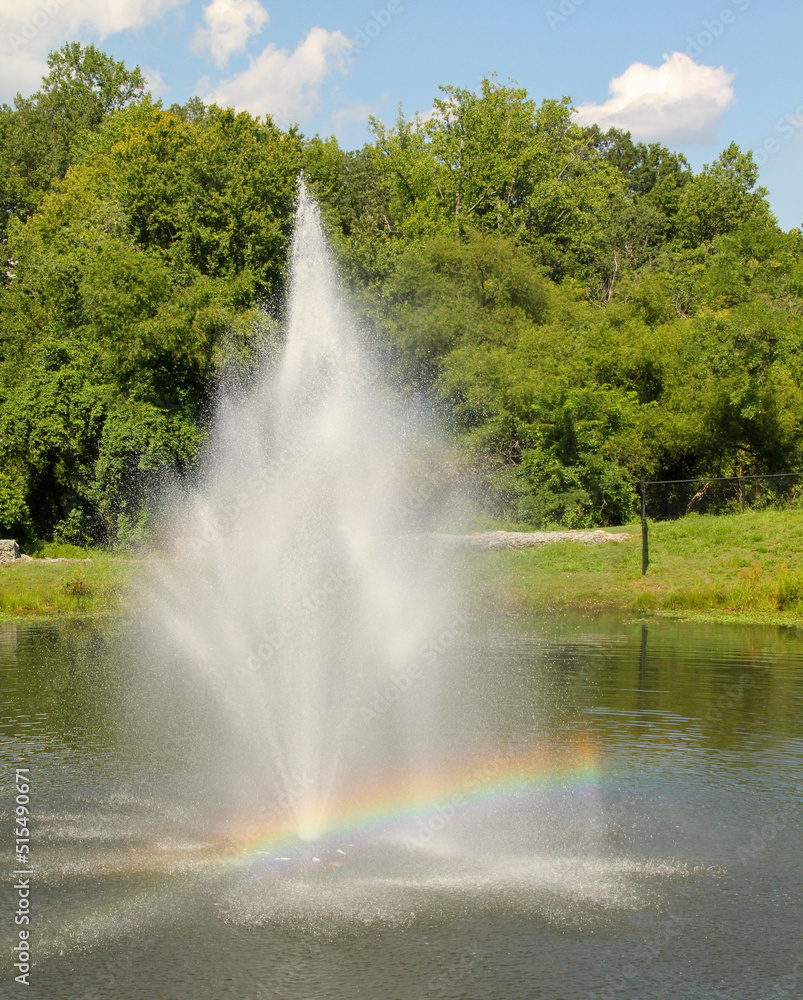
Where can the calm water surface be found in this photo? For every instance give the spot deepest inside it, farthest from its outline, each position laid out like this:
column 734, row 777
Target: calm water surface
column 656, row 853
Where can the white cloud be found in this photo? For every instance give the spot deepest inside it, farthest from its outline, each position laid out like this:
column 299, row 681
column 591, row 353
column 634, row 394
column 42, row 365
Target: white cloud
column 65, row 17
column 679, row 101
column 29, row 29
column 155, row 82
column 21, row 73
column 229, row 25
column 286, row 84
column 421, row 118
column 353, row 113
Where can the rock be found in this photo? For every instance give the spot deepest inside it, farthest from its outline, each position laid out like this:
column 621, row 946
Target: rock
column 9, row 550
column 490, row 541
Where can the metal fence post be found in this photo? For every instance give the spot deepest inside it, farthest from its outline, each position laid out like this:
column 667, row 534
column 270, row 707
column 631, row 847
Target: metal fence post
column 645, row 555
column 643, row 658
column 741, row 491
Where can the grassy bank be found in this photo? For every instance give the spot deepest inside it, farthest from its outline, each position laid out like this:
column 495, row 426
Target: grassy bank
column 68, row 587
column 745, row 567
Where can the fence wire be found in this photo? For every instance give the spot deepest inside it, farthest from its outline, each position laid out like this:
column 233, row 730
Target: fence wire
column 666, row 500
column 671, row 499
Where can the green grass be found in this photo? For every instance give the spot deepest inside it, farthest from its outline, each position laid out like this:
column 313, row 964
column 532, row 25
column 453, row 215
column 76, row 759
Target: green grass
column 58, row 550
column 743, row 567
column 54, row 589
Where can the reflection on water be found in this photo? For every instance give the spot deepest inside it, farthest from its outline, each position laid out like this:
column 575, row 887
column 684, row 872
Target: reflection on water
column 635, row 830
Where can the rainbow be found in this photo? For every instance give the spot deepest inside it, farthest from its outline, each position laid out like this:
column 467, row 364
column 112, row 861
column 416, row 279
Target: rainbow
column 426, row 799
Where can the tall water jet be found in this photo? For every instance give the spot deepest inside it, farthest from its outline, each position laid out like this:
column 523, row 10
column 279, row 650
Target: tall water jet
column 317, row 736
column 290, row 644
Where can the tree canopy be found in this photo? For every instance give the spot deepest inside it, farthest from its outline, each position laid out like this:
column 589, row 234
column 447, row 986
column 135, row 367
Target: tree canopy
column 585, row 309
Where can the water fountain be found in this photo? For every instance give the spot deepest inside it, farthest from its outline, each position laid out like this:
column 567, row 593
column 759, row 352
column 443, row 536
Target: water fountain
column 302, row 633
column 307, row 650
column 313, row 769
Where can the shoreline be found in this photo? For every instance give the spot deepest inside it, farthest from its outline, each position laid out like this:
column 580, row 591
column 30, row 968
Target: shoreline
column 740, row 568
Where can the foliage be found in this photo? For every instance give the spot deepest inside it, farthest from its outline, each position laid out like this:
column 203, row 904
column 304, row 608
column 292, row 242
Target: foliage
column 84, row 86
column 585, row 309
column 130, row 282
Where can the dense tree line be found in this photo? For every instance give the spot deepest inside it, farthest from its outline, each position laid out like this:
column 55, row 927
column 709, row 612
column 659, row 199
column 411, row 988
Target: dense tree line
column 587, row 310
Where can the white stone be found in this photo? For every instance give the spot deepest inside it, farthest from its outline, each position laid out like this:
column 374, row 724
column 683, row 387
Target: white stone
column 9, row 550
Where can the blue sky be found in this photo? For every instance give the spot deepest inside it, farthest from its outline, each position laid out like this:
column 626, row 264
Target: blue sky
column 694, row 75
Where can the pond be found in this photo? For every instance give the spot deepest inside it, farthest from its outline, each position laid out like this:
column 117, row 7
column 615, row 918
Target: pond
column 651, row 847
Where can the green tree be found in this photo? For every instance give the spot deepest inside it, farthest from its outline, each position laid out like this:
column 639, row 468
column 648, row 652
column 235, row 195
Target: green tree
column 585, row 310
column 131, row 282
column 37, row 137
column 722, row 197
column 449, row 293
